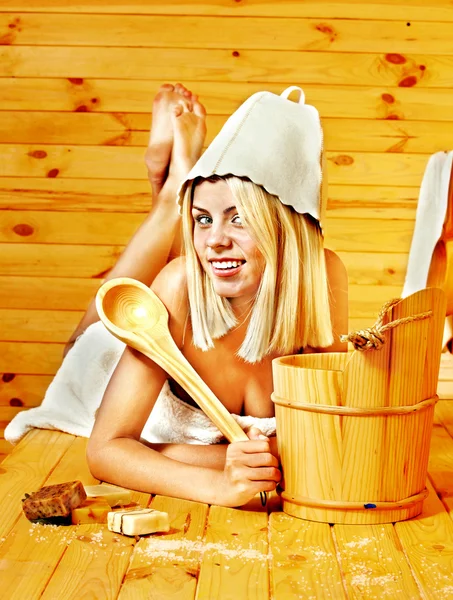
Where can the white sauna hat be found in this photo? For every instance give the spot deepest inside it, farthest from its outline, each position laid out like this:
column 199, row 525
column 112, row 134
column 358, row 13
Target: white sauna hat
column 275, row 142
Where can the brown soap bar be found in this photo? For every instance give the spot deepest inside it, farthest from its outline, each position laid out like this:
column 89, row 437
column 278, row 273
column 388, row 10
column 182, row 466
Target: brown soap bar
column 54, row 500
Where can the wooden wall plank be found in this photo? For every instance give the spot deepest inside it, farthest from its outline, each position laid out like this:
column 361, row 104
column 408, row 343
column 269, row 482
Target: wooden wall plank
column 367, row 268
column 24, row 391
column 30, row 358
column 133, row 195
column 53, row 293
column 377, row 235
column 25, row 325
column 438, row 10
column 221, row 97
column 93, row 162
column 253, row 33
column 68, row 228
column 47, row 227
column 57, row 261
column 132, row 129
column 34, row 325
column 228, row 65
column 17, row 302
column 99, row 195
column 39, row 260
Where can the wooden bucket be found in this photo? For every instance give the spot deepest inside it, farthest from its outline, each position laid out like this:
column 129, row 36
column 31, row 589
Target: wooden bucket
column 354, row 429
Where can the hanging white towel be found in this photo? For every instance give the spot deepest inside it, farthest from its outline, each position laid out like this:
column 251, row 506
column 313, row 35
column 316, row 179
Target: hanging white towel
column 430, row 217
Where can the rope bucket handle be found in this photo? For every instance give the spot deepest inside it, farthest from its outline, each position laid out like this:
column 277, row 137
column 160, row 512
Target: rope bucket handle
column 373, row 337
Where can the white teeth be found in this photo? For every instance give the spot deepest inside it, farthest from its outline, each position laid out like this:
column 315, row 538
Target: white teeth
column 226, row 264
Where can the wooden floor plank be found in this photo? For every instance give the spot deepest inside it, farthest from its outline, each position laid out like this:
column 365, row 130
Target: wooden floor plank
column 303, row 560
column 373, row 562
column 427, row 542
column 235, row 558
column 441, row 456
column 27, row 469
column 167, row 565
column 32, row 551
column 90, row 559
column 93, row 565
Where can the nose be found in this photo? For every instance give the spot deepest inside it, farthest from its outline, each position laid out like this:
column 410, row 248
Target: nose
column 218, row 237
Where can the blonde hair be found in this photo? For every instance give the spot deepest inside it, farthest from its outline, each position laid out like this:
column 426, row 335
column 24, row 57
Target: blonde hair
column 291, row 307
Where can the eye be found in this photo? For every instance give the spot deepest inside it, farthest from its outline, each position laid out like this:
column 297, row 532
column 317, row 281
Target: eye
column 203, row 220
column 237, row 220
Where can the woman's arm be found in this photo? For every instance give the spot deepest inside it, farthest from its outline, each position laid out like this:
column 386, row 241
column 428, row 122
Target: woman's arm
column 227, row 475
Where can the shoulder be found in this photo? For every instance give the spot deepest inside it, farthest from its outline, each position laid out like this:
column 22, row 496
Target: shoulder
column 337, row 276
column 334, row 264
column 171, row 287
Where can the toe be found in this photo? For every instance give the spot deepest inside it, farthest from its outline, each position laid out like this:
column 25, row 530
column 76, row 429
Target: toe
column 198, row 108
column 166, row 87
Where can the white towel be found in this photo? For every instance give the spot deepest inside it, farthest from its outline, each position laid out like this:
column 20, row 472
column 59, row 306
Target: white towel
column 276, row 143
column 73, row 397
column 430, row 217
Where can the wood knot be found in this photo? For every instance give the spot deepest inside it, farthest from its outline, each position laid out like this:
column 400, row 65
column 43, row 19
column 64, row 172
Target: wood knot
column 408, row 81
column 81, row 108
column 235, row 53
column 23, row 229
column 343, row 160
column 75, row 80
column 16, row 402
column 388, row 98
column 395, row 59
column 53, row 173
column 7, row 377
column 38, row 154
column 324, row 28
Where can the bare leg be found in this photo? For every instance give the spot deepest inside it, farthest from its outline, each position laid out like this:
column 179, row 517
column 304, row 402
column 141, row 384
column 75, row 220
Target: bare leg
column 176, row 141
column 158, row 153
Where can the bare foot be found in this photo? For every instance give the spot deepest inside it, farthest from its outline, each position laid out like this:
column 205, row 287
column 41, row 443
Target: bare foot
column 189, row 132
column 158, row 153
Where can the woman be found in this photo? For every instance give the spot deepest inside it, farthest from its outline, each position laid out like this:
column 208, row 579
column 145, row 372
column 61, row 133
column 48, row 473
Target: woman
column 234, row 305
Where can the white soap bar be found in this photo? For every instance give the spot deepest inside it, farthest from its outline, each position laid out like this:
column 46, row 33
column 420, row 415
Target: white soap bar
column 115, row 496
column 138, row 522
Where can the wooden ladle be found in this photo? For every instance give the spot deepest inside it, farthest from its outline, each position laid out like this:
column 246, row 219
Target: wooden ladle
column 135, row 315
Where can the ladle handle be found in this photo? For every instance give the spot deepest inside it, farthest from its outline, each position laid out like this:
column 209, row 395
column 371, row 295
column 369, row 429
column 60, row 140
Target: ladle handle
column 167, row 355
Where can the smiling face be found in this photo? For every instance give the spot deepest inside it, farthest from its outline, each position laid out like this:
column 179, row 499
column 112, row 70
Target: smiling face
column 223, row 245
